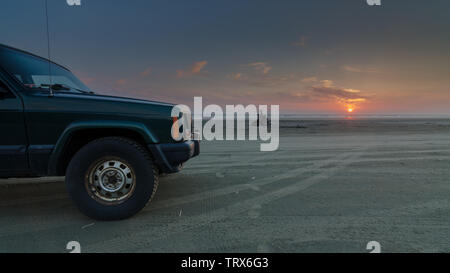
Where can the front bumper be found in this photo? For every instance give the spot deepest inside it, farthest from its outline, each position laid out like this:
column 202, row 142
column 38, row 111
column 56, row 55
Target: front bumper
column 170, row 157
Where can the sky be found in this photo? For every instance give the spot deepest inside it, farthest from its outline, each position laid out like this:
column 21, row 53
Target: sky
column 308, row 56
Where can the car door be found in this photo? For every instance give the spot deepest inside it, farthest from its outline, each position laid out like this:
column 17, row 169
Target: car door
column 13, row 140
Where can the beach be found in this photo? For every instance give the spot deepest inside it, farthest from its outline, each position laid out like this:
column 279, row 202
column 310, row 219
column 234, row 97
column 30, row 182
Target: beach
column 333, row 186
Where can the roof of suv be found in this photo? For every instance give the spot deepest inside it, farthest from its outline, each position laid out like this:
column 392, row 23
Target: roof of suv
column 31, row 54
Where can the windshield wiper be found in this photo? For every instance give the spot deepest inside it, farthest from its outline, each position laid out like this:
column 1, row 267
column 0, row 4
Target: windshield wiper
column 83, row 91
column 59, row 87
column 55, row 87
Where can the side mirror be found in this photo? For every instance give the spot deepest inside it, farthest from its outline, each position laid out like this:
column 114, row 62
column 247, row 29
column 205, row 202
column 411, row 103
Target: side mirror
column 3, row 90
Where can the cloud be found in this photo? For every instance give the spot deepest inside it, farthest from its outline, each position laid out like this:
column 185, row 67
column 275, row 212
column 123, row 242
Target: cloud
column 301, row 42
column 121, row 82
column 236, row 76
column 259, row 74
column 262, row 80
column 198, row 66
column 309, row 79
column 359, row 69
column 87, row 80
column 147, row 72
column 326, row 91
column 327, row 83
column 264, row 68
column 195, row 69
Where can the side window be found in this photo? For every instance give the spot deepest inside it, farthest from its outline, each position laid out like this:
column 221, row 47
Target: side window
column 4, row 91
column 3, row 88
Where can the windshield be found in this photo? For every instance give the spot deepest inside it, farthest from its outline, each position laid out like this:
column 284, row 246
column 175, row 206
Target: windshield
column 34, row 72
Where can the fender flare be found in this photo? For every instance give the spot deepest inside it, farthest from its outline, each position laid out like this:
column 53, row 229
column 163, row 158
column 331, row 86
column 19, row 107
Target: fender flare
column 74, row 127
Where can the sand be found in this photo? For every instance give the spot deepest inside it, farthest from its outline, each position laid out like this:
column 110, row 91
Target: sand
column 333, row 186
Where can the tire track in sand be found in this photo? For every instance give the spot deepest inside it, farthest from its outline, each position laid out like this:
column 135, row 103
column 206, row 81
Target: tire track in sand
column 142, row 240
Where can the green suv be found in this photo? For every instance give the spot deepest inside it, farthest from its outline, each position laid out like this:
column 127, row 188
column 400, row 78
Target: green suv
column 110, row 149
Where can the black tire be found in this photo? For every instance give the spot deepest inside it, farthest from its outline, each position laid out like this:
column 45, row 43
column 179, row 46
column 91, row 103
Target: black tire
column 82, row 165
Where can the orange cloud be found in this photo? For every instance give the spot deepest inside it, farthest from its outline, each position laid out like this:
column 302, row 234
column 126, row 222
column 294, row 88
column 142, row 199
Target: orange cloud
column 121, row 82
column 309, row 79
column 147, row 72
column 262, row 67
column 326, row 93
column 359, row 69
column 236, row 76
column 327, row 83
column 301, row 42
column 195, row 69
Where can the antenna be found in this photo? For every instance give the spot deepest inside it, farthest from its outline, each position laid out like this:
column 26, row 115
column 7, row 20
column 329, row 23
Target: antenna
column 48, row 51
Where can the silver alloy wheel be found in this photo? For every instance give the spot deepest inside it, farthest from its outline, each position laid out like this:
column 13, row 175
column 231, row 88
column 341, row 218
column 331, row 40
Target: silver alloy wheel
column 111, row 181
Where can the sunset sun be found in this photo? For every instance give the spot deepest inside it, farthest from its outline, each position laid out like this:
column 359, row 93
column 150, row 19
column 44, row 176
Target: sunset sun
column 350, row 110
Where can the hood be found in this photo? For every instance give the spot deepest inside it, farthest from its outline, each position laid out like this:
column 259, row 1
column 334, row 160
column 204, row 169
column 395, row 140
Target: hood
column 125, row 99
column 102, row 104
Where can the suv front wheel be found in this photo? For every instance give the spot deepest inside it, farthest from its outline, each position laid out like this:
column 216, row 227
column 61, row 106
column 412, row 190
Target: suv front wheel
column 111, row 178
